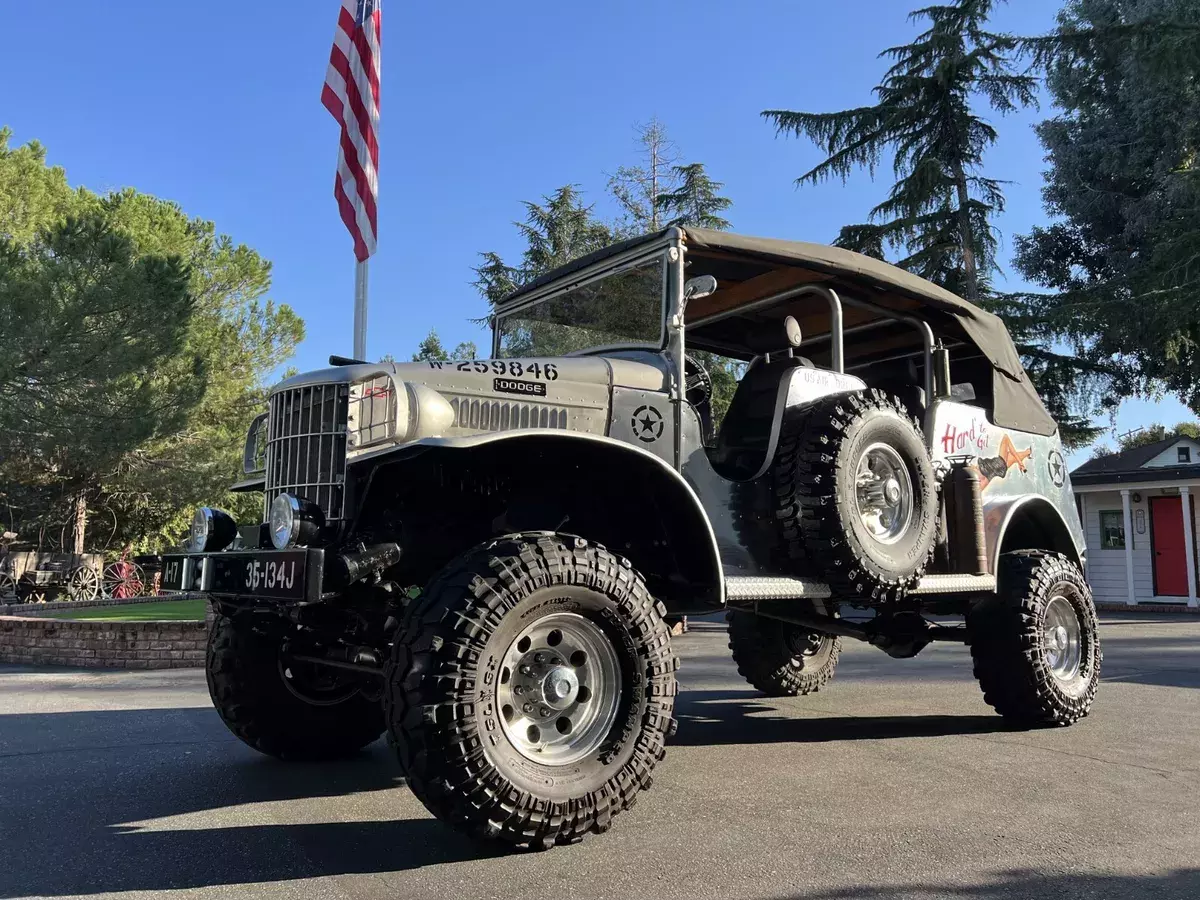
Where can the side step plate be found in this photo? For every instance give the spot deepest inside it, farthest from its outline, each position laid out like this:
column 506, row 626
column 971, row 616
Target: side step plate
column 763, row 587
column 758, row 587
column 954, row 584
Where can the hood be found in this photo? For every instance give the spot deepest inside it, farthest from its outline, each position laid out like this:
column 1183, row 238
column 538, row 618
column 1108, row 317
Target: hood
column 568, row 393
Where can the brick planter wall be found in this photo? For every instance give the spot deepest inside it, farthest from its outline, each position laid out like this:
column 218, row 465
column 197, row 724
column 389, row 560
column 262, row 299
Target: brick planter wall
column 102, row 644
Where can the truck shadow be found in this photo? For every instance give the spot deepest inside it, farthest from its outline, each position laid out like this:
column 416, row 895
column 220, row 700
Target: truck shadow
column 709, row 718
column 158, row 799
column 112, row 801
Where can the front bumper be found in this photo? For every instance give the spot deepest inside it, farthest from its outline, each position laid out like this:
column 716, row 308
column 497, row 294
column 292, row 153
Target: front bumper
column 280, row 576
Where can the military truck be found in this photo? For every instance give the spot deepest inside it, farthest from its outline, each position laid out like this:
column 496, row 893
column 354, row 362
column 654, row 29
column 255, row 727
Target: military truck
column 476, row 557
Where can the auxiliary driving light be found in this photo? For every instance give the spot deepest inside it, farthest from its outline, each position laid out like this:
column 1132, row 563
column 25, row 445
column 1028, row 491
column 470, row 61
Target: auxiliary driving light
column 294, row 522
column 211, row 530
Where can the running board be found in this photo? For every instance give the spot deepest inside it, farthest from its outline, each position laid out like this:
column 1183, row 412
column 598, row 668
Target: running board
column 756, row 587
column 954, row 584
column 761, row 587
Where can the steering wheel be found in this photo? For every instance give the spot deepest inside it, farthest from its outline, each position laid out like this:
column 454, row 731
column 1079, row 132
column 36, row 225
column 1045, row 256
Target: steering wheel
column 698, row 387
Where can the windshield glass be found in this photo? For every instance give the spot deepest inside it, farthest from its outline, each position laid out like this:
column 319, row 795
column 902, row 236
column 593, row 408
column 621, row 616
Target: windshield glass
column 623, row 308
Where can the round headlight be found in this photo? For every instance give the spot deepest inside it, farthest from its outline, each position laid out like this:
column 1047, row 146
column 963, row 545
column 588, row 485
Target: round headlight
column 201, row 528
column 211, row 530
column 285, row 521
column 294, row 521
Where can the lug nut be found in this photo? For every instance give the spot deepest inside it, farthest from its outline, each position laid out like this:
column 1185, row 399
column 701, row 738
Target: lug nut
column 525, row 670
column 528, row 707
column 544, row 711
column 539, row 658
column 518, row 690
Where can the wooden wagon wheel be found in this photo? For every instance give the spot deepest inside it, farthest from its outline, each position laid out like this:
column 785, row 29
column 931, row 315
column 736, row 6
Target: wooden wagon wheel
column 83, row 584
column 8, row 588
column 123, row 580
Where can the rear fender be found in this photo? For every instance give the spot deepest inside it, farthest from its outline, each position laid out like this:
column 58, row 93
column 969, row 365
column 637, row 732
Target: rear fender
column 1027, row 522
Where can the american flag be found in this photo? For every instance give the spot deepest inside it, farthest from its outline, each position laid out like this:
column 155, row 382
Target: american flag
column 351, row 94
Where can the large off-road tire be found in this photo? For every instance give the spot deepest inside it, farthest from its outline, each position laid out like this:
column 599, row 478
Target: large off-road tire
column 559, row 618
column 780, row 659
column 855, row 496
column 1035, row 644
column 246, row 680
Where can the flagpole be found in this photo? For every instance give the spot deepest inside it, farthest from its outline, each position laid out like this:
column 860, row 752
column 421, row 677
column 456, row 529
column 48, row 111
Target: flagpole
column 360, row 310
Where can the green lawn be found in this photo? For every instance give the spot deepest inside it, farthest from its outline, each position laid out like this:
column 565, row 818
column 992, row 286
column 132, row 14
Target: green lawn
column 162, row 611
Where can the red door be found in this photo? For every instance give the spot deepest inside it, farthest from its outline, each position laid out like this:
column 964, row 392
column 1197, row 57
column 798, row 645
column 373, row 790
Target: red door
column 1170, row 557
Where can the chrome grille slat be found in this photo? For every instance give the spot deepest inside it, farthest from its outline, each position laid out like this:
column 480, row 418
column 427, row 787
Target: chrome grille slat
column 306, row 446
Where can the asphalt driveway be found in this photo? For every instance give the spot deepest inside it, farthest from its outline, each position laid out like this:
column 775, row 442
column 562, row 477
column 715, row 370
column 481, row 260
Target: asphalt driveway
column 895, row 782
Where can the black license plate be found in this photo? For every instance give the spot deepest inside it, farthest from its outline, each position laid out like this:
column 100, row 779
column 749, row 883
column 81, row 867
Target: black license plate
column 278, row 573
column 174, row 570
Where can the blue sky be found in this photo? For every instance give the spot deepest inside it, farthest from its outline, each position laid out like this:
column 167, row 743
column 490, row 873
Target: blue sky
column 216, row 105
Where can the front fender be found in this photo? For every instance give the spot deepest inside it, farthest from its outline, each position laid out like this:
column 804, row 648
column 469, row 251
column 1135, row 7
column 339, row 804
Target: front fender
column 689, row 519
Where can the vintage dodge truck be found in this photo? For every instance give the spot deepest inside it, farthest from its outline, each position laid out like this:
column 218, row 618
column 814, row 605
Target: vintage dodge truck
column 477, row 557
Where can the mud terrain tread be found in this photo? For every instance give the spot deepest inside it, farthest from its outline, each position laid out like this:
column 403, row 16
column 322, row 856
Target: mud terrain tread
column 764, row 659
column 432, row 721
column 249, row 695
column 805, row 477
column 1007, row 646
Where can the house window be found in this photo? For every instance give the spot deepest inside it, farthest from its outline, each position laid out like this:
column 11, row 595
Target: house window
column 1112, row 529
column 1185, row 454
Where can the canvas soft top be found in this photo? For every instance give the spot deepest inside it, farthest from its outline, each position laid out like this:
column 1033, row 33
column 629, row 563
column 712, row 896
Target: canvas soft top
column 753, row 268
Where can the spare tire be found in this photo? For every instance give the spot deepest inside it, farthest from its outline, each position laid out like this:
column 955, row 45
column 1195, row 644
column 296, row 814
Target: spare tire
column 781, row 659
column 855, row 496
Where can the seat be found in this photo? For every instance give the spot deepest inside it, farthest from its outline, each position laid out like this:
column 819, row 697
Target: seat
column 745, row 433
column 902, row 379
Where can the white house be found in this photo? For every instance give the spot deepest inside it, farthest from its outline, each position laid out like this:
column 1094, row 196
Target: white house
column 1141, row 544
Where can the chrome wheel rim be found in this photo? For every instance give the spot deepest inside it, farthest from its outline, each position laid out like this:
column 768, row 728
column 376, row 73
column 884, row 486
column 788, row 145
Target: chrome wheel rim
column 1063, row 638
column 884, row 493
column 559, row 688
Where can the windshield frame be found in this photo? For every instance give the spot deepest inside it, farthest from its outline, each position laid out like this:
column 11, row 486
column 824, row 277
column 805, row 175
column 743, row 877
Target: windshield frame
column 643, row 256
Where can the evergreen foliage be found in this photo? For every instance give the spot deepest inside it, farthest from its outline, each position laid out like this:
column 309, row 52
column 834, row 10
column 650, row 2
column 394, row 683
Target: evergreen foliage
column 1120, row 261
column 431, row 350
column 937, row 218
column 693, row 200
column 90, row 291
column 938, row 213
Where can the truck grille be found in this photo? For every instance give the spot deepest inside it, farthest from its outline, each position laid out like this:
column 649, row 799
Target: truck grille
column 306, row 446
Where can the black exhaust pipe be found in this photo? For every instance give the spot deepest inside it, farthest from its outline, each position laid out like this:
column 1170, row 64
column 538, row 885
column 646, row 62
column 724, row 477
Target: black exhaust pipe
column 375, row 558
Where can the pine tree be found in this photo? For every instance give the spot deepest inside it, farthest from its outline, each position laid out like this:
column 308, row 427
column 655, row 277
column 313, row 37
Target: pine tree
column 431, row 349
column 557, row 230
column 637, row 188
column 694, row 201
column 1119, row 258
column 144, row 405
column 938, row 213
column 937, row 216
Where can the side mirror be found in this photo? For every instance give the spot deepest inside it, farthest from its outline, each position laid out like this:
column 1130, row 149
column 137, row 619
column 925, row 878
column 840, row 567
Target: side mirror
column 700, row 286
column 254, row 454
